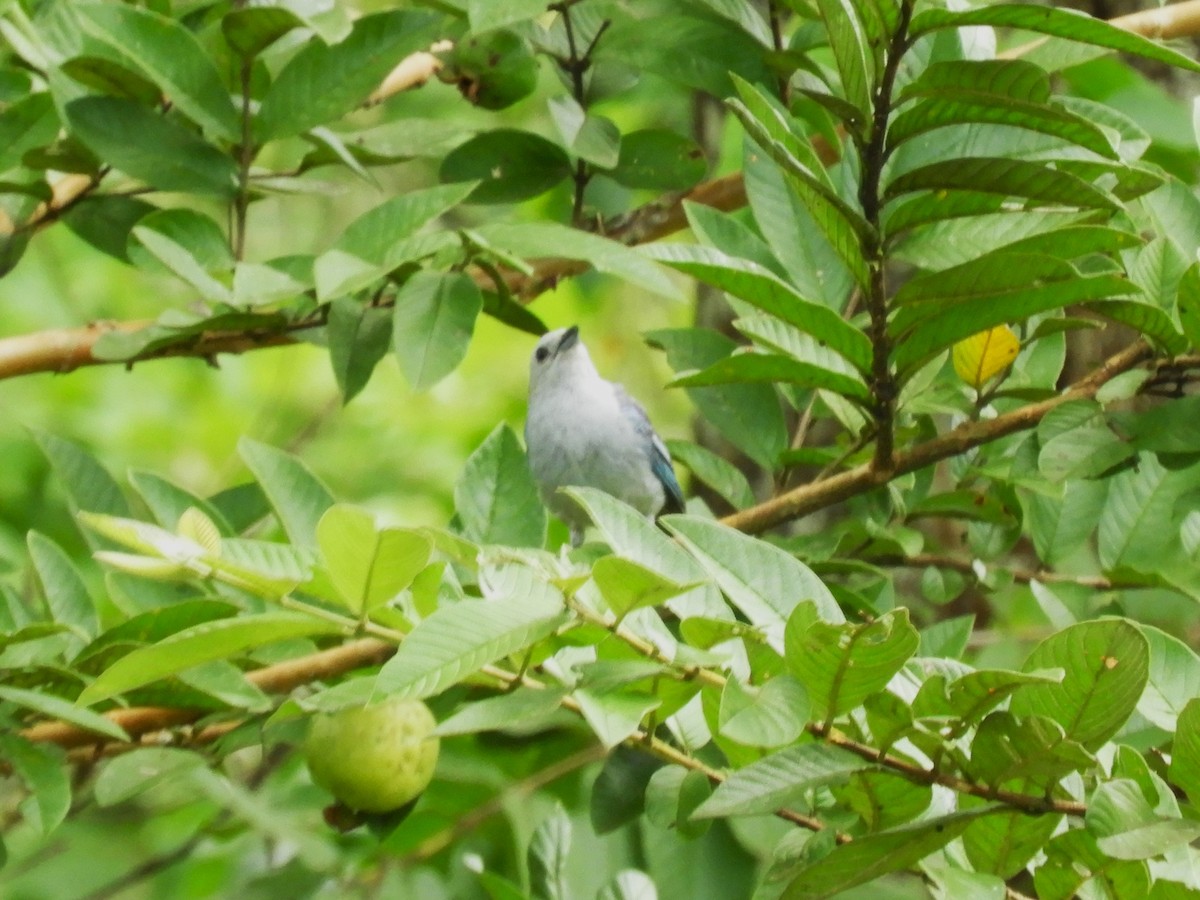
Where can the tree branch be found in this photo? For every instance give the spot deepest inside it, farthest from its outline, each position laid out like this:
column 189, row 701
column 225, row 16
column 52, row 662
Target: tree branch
column 823, row 493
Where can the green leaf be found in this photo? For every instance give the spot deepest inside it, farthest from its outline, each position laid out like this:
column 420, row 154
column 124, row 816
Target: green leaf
column 1173, row 680
column 1127, row 827
column 613, row 713
column 1034, row 750
column 496, row 497
column 323, row 82
column 717, row 472
column 202, row 643
column 868, row 857
column 368, row 565
column 1074, row 862
column 458, row 640
column 588, row 137
column 630, row 535
column 1064, row 23
column 1151, row 321
column 250, row 31
column 548, row 239
column 657, row 159
column 769, row 716
column 166, row 155
column 749, row 415
column 89, row 487
column 548, row 850
column 618, row 792
column 45, row 773
column 105, row 222
column 1059, row 525
column 774, row 368
column 517, row 711
column 763, row 289
column 130, row 774
column 506, row 165
column 1004, row 844
column 1002, row 176
column 296, row 495
column 949, row 106
column 192, row 246
column 780, row 780
column 849, row 51
column 432, row 323
column 672, row 795
column 1106, row 666
column 842, row 225
column 170, row 56
column 359, row 337
column 66, row 594
column 1185, row 751
column 704, row 50
column 1188, row 303
column 626, row 585
column 24, row 125
column 168, row 501
column 1140, row 523
column 764, row 582
column 995, row 290
column 373, row 234
column 485, row 15
column 53, row 707
column 842, row 665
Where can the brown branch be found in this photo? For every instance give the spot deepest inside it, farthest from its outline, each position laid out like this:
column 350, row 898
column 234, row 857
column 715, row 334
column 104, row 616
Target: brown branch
column 967, row 567
column 276, row 679
column 820, row 494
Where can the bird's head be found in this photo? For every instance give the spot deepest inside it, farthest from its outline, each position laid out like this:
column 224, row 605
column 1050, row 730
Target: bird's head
column 559, row 355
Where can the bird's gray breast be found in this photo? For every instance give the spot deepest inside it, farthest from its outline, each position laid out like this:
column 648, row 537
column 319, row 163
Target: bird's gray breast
column 583, row 438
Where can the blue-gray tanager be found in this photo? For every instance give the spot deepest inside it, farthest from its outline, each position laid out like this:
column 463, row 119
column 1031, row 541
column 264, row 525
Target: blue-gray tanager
column 585, row 431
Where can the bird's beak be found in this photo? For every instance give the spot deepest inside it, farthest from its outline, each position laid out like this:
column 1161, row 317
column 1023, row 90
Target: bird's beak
column 568, row 340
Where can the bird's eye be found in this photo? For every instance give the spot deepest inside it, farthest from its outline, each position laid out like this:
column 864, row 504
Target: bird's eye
column 541, row 354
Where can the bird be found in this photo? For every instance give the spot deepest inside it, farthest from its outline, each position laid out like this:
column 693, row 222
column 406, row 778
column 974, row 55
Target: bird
column 582, row 430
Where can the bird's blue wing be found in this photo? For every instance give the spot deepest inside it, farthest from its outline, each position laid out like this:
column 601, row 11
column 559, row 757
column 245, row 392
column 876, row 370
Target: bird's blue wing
column 660, row 459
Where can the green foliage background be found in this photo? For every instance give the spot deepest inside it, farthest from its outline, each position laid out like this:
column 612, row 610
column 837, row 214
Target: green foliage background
column 955, row 663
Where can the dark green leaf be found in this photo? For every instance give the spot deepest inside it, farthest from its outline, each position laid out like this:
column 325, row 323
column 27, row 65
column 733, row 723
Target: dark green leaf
column 749, row 415
column 166, row 155
column 658, row 160
column 170, row 56
column 508, row 165
column 772, row 368
column 323, row 82
column 251, row 30
column 359, row 337
column 30, row 122
column 432, row 323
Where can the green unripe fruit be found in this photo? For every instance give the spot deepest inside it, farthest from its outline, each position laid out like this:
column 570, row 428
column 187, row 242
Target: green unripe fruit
column 375, row 758
column 492, row 70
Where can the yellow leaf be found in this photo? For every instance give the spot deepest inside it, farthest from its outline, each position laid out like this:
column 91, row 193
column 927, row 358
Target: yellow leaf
column 982, row 356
